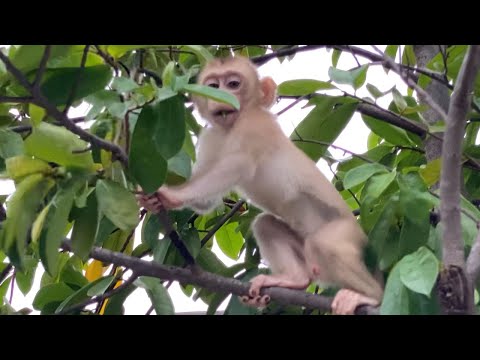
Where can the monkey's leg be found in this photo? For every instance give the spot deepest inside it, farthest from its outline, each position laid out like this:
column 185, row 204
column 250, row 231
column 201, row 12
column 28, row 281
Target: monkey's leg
column 334, row 254
column 283, row 250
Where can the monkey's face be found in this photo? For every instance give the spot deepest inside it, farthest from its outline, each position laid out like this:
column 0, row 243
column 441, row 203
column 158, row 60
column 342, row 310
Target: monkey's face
column 234, row 77
column 221, row 113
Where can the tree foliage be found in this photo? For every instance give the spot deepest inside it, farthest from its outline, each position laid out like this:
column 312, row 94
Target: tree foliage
column 76, row 177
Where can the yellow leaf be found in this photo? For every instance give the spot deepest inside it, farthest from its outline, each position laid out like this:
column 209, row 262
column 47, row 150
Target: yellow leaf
column 95, row 270
column 38, row 223
column 431, row 172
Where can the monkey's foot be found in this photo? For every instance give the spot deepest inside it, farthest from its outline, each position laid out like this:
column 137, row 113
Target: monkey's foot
column 260, row 281
column 346, row 301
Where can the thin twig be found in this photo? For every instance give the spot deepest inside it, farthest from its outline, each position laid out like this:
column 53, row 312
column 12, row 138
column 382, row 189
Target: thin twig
column 325, row 143
column 74, row 87
column 5, row 272
column 411, row 83
column 42, row 68
column 222, row 221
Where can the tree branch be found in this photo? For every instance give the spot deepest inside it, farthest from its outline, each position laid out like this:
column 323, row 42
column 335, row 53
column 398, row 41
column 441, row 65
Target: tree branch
column 215, row 282
column 453, row 253
column 263, row 59
column 16, row 99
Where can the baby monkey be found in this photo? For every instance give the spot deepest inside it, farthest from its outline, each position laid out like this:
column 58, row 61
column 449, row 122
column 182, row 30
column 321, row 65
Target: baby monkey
column 307, row 233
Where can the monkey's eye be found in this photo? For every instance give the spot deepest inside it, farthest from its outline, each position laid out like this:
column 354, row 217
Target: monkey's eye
column 212, row 83
column 233, row 82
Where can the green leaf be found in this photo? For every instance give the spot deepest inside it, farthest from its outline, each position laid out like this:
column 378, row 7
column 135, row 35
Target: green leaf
column 201, row 52
column 158, row 295
column 53, row 293
column 57, row 144
column 210, row 262
column 300, row 87
column 395, row 300
column 159, row 135
column 79, row 295
column 419, row 271
column 415, row 203
column 335, row 57
column 408, row 56
column 27, row 57
column 391, row 51
column 37, row 113
column 373, row 90
column 229, row 241
column 11, row 144
column 324, row 123
column 55, row 225
column 85, row 228
column 150, row 230
column 355, row 77
column 124, row 84
column 21, row 211
column 169, row 131
column 373, row 140
column 147, row 165
column 191, row 240
column 118, row 51
column 399, row 100
column 72, row 276
column 58, row 83
column 117, row 203
column 168, row 74
column 390, row 133
column 101, row 285
column 24, row 279
column 361, row 173
column 181, row 164
column 377, row 184
column 212, row 93
column 385, row 233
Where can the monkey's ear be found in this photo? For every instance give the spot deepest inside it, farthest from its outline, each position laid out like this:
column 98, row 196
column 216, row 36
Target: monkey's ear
column 269, row 91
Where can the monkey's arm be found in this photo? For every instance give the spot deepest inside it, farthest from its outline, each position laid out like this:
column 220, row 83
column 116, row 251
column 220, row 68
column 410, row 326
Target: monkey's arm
column 226, row 173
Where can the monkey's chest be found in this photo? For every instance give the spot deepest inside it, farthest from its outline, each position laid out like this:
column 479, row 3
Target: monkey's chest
column 269, row 190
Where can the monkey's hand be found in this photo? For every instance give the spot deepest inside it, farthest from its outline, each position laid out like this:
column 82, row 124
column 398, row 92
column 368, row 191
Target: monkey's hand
column 161, row 199
column 168, row 198
column 346, row 301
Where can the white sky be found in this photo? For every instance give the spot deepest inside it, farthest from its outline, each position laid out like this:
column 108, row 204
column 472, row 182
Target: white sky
column 305, row 65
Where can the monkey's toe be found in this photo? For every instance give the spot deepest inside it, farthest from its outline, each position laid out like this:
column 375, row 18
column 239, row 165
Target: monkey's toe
column 346, row 302
column 256, row 285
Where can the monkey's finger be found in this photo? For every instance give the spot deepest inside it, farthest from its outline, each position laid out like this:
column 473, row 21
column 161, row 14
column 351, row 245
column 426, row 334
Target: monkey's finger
column 265, row 300
column 244, row 299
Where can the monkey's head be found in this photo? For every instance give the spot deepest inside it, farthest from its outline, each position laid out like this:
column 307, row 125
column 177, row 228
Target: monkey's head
column 238, row 76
